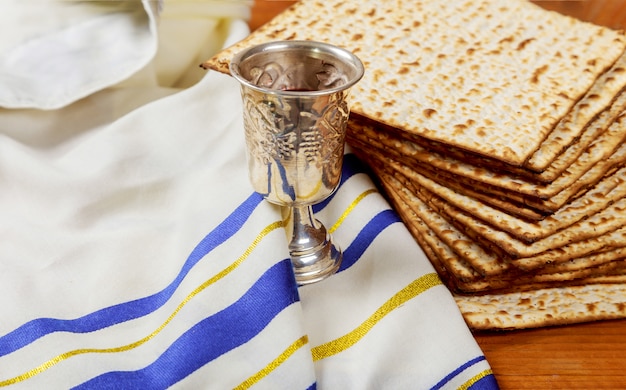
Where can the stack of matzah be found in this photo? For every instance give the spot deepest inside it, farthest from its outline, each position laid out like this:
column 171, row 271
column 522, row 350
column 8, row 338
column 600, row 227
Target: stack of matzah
column 496, row 128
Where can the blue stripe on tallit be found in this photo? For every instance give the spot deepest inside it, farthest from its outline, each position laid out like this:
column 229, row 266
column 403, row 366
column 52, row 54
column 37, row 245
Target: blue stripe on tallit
column 366, row 236
column 211, row 337
column 488, row 382
column 112, row 315
column 442, row 383
column 234, row 326
column 40, row 327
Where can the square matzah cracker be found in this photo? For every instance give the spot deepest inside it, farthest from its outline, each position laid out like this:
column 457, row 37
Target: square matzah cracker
column 492, row 77
column 603, row 300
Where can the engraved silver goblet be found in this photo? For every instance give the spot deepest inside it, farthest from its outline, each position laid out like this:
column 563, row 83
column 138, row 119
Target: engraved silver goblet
column 295, row 113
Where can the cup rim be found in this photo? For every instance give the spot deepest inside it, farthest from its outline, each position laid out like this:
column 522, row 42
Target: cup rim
column 314, row 46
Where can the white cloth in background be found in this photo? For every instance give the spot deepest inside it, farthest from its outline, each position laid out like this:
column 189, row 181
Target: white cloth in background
column 134, row 253
column 55, row 52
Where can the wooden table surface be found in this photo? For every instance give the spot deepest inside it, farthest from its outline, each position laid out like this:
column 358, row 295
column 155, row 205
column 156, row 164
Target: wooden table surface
column 583, row 356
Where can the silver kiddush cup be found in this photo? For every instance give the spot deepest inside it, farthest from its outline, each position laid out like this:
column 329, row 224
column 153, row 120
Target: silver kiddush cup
column 295, row 113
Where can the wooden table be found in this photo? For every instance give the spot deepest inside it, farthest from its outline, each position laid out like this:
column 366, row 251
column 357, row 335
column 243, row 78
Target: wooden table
column 583, row 356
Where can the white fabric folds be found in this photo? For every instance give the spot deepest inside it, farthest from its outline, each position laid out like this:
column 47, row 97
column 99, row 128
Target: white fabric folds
column 134, row 253
column 56, row 52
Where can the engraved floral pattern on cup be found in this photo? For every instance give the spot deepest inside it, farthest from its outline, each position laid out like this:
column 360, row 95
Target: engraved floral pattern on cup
column 265, row 131
column 303, row 134
column 332, row 129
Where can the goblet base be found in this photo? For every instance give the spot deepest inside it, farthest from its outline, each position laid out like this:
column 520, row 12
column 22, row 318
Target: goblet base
column 317, row 264
column 314, row 256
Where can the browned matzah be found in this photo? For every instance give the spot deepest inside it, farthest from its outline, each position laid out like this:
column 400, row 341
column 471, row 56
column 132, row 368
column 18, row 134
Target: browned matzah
column 545, row 307
column 458, row 72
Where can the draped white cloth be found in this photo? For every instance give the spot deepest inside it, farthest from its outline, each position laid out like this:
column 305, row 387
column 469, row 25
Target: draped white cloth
column 133, row 252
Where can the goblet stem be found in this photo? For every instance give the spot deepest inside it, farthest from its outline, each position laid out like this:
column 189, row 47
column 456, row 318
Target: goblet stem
column 313, row 254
